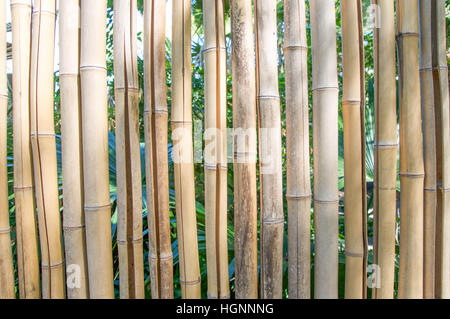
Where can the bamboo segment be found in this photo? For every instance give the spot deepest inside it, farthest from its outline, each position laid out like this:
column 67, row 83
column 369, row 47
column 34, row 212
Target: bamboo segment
column 411, row 153
column 426, row 85
column 272, row 216
column 385, row 150
column 244, row 123
column 297, row 151
column 72, row 167
column 129, row 188
column 6, row 262
column 215, row 150
column 155, row 123
column 325, row 137
column 94, row 103
column 354, row 151
column 441, row 102
column 183, row 150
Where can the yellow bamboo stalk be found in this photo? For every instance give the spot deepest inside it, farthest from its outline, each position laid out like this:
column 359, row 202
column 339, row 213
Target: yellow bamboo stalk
column 354, row 151
column 129, row 188
column 72, row 167
column 215, row 150
column 244, row 123
column 6, row 263
column 325, row 131
column 297, row 151
column 94, row 103
column 411, row 153
column 155, row 127
column 385, row 150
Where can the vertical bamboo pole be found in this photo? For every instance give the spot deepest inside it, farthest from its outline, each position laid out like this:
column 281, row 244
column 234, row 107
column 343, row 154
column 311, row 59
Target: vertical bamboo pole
column 183, row 150
column 43, row 146
column 27, row 253
column 385, row 149
column 325, row 132
column 411, row 153
column 244, row 123
column 215, row 151
column 155, row 122
column 94, row 103
column 441, row 102
column 268, row 100
column 6, row 263
column 297, row 152
column 72, row 167
column 129, row 188
column 354, row 151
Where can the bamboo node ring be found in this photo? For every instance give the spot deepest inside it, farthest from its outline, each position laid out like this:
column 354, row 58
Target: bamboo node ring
column 96, row 208
column 324, row 88
column 161, row 257
column 45, row 12
column 190, row 282
column 5, row 230
column 18, row 188
column 431, row 190
column 330, row 202
column 124, row 242
column 408, row 34
column 299, row 196
column 353, row 254
column 92, row 67
column 411, row 175
column 385, row 146
column 212, row 49
column 69, row 228
column 53, row 266
column 273, row 221
column 268, row 97
column 296, row 47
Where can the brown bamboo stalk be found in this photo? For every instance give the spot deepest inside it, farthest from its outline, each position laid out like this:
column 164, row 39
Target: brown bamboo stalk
column 155, row 127
column 271, row 185
column 411, row 153
column 325, row 131
column 385, row 152
column 297, row 150
column 6, row 262
column 94, row 103
column 215, row 150
column 426, row 85
column 441, row 102
column 354, row 151
column 129, row 188
column 72, row 167
column 244, row 123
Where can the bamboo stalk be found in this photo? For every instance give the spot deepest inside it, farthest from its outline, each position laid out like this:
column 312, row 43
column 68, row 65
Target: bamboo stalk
column 271, row 185
column 183, row 150
column 72, row 166
column 411, row 153
column 325, row 131
column 297, row 150
column 441, row 102
column 6, row 262
column 94, row 103
column 155, row 126
column 244, row 123
column 385, row 150
column 354, row 151
column 129, row 188
column 215, row 150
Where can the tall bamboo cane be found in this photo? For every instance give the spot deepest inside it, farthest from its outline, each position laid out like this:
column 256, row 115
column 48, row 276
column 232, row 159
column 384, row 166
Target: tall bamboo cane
column 297, row 152
column 155, row 122
column 129, row 188
column 426, row 85
column 244, row 123
column 325, row 131
column 72, row 167
column 441, row 102
column 411, row 153
column 354, row 151
column 94, row 103
column 272, row 215
column 27, row 253
column 385, row 149
column 183, row 150
column 6, row 263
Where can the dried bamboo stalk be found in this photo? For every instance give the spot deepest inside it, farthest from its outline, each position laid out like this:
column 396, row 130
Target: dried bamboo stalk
column 297, row 151
column 94, row 103
column 215, row 150
column 325, row 132
column 244, row 123
column 411, row 153
column 129, row 188
column 155, row 127
column 385, row 152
